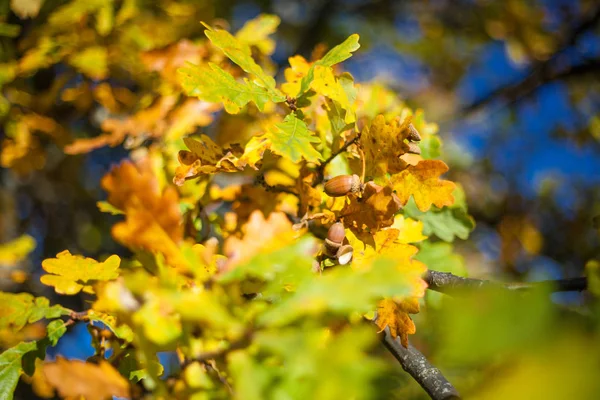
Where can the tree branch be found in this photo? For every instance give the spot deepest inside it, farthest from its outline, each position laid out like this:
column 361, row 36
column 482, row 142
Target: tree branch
column 445, row 282
column 542, row 72
column 415, row 363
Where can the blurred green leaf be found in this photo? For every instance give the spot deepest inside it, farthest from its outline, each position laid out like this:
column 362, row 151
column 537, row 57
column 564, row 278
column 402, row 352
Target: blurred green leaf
column 22, row 308
column 9, row 30
column 311, row 362
column 342, row 291
column 491, row 324
column 441, row 257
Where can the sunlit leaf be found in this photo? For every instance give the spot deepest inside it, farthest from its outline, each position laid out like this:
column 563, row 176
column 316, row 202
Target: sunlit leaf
column 423, row 183
column 336, row 55
column 394, row 315
column 71, row 274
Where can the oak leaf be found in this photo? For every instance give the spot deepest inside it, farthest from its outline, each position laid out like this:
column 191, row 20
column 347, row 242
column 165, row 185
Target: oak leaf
column 375, row 210
column 424, row 184
column 394, row 314
column 411, row 231
column 297, row 70
column 74, row 378
column 152, row 218
column 259, row 234
column 292, row 139
column 20, row 309
column 167, row 60
column 336, row 55
column 241, row 54
column 383, row 144
column 256, row 32
column 70, row 274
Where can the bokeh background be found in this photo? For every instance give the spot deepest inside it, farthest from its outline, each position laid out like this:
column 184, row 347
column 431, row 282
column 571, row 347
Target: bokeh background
column 513, row 85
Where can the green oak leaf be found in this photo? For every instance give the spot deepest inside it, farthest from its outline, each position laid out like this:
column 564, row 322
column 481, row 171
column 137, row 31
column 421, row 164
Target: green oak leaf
column 212, row 83
column 292, row 139
column 441, row 257
column 20, row 309
column 446, row 223
column 241, row 54
column 11, row 368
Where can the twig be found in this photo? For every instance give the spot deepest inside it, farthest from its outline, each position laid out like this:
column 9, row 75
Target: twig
column 415, row 363
column 446, row 282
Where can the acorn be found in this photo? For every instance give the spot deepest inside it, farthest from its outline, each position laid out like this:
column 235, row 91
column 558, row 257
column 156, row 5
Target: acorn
column 413, row 134
column 335, row 237
column 414, row 148
column 342, row 185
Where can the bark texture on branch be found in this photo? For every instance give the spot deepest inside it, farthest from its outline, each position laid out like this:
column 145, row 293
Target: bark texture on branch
column 448, row 283
column 414, row 362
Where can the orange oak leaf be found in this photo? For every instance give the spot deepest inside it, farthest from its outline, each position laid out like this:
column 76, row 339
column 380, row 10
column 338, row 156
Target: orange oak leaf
column 375, row 210
column 394, row 314
column 152, row 218
column 166, row 61
column 168, row 117
column 74, row 378
column 259, row 234
column 423, row 182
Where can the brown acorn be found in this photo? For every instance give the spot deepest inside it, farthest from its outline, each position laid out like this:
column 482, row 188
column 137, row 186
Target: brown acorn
column 335, row 237
column 414, row 148
column 343, row 185
column 413, row 134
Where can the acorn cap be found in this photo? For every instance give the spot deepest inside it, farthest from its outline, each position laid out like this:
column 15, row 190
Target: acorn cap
column 344, row 254
column 413, row 134
column 414, row 148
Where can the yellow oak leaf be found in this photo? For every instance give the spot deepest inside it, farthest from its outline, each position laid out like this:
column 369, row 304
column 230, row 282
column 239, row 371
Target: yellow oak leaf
column 326, row 83
column 411, row 231
column 13, row 252
column 293, row 75
column 70, row 274
column 74, row 378
column 256, row 32
column 423, row 182
column 383, row 144
column 394, row 314
column 385, row 243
